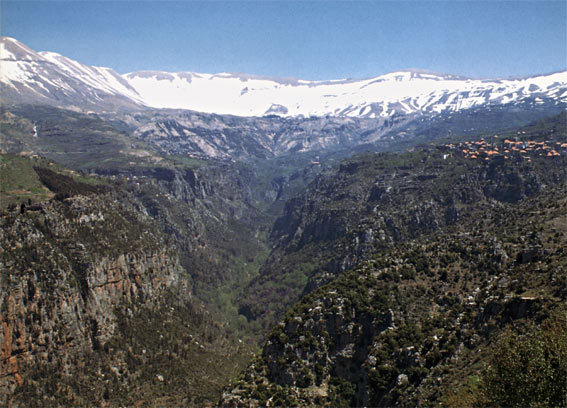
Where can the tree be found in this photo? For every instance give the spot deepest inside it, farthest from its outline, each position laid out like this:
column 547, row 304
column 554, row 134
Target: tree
column 528, row 369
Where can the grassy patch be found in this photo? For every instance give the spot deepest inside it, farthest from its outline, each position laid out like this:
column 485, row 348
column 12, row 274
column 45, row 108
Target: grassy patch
column 19, row 182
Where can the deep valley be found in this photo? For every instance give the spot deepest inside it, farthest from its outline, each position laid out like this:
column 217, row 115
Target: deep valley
column 158, row 256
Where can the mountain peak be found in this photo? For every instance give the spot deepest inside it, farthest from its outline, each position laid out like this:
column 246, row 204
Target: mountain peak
column 50, row 78
column 51, row 54
column 13, row 50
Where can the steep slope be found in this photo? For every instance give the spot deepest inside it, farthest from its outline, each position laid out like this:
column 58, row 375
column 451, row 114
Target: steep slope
column 27, row 76
column 96, row 305
column 211, row 213
column 215, row 210
column 243, row 138
column 415, row 325
column 374, row 201
column 250, row 138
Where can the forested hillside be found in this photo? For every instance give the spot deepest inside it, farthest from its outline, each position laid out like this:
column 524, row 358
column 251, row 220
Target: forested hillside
column 423, row 277
column 442, row 319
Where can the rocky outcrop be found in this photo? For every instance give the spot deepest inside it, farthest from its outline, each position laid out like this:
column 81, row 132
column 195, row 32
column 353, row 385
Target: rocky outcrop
column 245, row 138
column 65, row 271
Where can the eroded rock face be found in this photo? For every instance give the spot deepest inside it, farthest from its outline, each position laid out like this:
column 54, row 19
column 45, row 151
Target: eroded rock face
column 65, row 270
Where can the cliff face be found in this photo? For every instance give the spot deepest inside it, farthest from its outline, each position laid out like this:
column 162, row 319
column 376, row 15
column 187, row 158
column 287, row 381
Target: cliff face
column 211, row 214
column 66, row 268
column 76, row 275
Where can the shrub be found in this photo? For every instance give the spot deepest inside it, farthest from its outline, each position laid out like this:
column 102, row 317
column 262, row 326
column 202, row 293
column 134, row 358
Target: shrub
column 64, row 186
column 530, row 369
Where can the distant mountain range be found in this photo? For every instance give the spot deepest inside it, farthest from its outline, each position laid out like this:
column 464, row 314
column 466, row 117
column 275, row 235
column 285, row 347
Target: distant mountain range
column 27, row 76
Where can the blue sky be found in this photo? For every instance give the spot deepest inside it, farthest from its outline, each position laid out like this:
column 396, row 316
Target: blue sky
column 301, row 39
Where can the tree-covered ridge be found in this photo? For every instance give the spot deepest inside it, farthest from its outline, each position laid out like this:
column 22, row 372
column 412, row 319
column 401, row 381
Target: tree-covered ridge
column 410, row 325
column 373, row 201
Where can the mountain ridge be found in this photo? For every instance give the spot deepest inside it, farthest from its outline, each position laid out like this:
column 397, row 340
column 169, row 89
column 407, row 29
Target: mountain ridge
column 52, row 78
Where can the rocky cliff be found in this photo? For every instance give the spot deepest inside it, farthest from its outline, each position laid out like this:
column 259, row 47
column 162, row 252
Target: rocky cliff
column 78, row 276
column 410, row 268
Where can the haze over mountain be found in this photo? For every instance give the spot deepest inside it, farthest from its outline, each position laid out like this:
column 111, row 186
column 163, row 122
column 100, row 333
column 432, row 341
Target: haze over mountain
column 46, row 77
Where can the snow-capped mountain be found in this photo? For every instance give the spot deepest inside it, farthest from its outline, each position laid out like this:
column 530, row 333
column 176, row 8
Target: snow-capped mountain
column 47, row 77
column 52, row 78
column 398, row 92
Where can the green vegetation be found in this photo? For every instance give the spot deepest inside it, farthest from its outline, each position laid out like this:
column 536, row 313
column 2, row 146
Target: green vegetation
column 35, row 179
column 65, row 186
column 123, row 327
column 440, row 257
column 393, row 274
column 373, row 201
column 160, row 356
column 19, row 182
column 528, row 369
column 73, row 139
column 412, row 339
